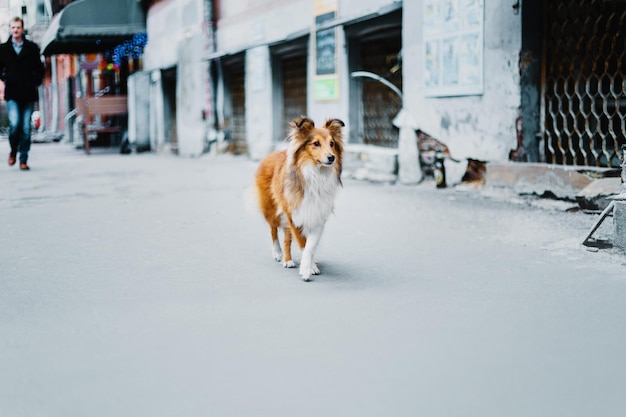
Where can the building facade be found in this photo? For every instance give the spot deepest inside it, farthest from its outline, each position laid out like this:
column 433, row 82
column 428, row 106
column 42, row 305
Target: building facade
column 240, row 71
column 482, row 79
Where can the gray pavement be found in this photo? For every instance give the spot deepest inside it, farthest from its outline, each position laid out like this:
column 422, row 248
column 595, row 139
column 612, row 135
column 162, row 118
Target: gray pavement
column 143, row 285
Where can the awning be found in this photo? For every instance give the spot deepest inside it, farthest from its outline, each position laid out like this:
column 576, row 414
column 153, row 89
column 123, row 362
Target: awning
column 88, row 26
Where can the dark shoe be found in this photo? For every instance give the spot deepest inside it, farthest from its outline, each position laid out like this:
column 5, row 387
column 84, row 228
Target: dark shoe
column 24, row 167
column 11, row 160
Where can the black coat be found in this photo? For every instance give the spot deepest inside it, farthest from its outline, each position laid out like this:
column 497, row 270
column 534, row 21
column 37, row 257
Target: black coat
column 22, row 74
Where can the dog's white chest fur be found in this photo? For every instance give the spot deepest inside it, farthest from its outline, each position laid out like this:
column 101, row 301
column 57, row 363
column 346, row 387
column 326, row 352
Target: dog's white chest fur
column 319, row 198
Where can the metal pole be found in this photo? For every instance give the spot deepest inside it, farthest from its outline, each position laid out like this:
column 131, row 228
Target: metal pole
column 623, row 193
column 376, row 77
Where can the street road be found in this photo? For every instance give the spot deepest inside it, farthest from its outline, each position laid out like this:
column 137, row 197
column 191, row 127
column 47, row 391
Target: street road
column 143, row 285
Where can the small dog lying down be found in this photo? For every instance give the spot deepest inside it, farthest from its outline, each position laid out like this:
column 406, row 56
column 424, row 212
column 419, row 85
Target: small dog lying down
column 297, row 188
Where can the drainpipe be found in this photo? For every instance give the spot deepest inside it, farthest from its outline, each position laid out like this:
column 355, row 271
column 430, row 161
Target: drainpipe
column 209, row 112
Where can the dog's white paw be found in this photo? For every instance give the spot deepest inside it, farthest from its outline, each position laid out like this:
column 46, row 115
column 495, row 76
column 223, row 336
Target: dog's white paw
column 277, row 253
column 315, row 269
column 306, row 272
column 290, row 264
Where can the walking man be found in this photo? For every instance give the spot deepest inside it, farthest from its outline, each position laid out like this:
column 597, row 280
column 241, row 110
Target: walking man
column 22, row 71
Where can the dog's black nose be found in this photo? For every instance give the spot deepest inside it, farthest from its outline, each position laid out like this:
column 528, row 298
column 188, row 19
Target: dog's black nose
column 331, row 158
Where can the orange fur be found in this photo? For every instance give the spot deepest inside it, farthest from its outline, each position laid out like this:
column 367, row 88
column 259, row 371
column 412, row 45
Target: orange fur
column 296, row 188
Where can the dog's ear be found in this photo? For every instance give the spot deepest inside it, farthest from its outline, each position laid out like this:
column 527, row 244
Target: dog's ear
column 334, row 126
column 303, row 125
column 338, row 122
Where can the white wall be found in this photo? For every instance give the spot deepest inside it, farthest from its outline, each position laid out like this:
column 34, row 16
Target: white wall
column 166, row 28
column 246, row 23
column 176, row 38
column 480, row 127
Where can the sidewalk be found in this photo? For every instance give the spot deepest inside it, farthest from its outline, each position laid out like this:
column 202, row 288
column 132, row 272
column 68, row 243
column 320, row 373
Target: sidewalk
column 64, row 164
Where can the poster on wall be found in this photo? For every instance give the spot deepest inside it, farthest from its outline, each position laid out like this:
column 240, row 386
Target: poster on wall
column 453, row 47
column 326, row 79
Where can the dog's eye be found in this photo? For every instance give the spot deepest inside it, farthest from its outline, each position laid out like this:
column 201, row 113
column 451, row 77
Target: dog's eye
column 332, row 144
column 316, row 144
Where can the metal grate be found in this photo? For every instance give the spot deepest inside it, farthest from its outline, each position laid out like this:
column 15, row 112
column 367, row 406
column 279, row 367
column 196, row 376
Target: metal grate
column 584, row 90
column 380, row 104
column 238, row 144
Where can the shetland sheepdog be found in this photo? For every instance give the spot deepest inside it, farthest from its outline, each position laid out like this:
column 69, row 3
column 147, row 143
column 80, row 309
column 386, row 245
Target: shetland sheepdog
column 297, row 188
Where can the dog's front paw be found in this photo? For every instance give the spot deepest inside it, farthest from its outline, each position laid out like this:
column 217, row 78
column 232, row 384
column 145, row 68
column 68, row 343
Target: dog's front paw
column 290, row 264
column 315, row 269
column 307, row 271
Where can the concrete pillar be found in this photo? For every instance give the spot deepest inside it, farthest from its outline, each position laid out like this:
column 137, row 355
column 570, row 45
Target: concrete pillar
column 157, row 126
column 139, row 110
column 190, row 97
column 259, row 108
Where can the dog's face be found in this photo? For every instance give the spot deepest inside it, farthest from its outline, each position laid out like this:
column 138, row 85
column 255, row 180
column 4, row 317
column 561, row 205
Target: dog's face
column 323, row 145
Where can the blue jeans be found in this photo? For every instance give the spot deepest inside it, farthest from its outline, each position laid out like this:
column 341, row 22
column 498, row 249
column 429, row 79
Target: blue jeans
column 19, row 127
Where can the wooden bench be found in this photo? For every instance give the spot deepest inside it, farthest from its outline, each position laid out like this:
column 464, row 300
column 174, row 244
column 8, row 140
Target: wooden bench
column 88, row 107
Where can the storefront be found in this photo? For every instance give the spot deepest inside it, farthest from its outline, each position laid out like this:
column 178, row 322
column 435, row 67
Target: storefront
column 92, row 47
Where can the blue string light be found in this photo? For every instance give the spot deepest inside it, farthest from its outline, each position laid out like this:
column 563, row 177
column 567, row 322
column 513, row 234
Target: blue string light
column 132, row 48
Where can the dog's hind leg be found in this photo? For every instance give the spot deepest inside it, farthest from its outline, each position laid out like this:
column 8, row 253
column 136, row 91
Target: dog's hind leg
column 277, row 253
column 297, row 233
column 287, row 261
